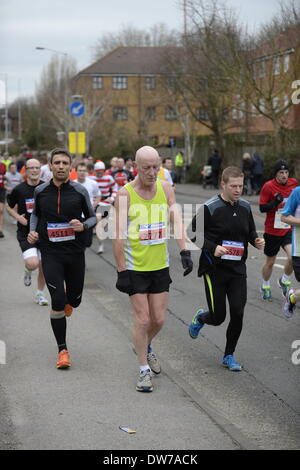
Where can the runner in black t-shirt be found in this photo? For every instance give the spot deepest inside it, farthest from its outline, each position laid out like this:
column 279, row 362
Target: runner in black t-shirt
column 20, row 206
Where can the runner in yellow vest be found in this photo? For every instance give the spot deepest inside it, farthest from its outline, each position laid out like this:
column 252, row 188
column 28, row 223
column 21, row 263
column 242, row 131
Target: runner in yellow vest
column 140, row 250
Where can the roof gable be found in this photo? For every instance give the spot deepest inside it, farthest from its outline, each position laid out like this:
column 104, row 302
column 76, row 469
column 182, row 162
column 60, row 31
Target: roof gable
column 133, row 60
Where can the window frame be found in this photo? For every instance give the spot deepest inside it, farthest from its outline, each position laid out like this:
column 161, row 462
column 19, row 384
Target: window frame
column 120, row 113
column 119, row 82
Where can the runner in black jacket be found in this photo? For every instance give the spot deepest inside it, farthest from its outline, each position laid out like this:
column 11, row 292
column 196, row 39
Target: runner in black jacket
column 61, row 221
column 20, row 206
column 228, row 228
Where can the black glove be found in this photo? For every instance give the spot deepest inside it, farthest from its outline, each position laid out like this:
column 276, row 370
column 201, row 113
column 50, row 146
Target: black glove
column 278, row 198
column 123, row 283
column 186, row 261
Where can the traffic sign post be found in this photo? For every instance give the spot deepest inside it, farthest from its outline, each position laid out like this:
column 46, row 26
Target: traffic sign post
column 77, row 108
column 77, row 139
column 77, row 142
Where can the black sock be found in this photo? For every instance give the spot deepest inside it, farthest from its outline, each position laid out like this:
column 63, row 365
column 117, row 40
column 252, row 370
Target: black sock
column 59, row 327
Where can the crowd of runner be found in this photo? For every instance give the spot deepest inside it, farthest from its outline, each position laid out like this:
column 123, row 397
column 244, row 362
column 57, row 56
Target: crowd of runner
column 57, row 205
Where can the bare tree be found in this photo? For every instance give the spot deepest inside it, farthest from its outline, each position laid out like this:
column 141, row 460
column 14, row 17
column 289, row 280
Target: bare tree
column 57, row 90
column 263, row 68
column 157, row 35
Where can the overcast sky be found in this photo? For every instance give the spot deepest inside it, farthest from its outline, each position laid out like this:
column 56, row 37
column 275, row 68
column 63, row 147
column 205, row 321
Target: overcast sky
column 73, row 26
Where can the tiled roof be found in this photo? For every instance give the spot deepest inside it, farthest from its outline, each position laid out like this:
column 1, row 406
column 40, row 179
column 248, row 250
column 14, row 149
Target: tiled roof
column 133, row 60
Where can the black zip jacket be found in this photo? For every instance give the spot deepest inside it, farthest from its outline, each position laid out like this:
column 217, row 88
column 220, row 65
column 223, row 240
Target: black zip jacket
column 61, row 204
column 224, row 221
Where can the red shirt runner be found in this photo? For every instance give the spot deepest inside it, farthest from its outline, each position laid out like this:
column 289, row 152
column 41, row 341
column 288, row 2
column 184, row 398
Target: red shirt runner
column 267, row 194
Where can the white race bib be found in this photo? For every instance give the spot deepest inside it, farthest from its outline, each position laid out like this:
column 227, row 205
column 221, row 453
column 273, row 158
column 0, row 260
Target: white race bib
column 152, row 234
column 29, row 205
column 60, row 232
column 277, row 220
column 235, row 250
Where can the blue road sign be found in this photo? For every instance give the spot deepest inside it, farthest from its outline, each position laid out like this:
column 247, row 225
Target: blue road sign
column 77, row 108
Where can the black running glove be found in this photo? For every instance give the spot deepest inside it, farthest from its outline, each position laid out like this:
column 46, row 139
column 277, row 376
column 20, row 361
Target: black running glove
column 186, row 261
column 123, row 283
column 278, row 198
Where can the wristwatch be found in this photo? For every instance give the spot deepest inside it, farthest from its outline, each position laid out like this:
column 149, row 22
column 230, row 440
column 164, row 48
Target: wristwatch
column 85, row 226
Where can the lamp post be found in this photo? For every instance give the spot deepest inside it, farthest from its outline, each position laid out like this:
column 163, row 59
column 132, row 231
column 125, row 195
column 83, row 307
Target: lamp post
column 5, row 116
column 42, row 48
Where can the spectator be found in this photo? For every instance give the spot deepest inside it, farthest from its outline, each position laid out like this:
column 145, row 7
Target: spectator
column 179, row 164
column 258, row 169
column 247, row 169
column 215, row 162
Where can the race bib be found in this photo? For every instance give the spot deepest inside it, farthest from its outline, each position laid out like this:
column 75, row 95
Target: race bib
column 29, row 205
column 152, row 234
column 277, row 220
column 235, row 250
column 60, row 232
column 296, row 235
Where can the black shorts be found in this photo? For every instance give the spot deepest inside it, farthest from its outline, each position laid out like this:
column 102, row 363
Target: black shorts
column 274, row 243
column 150, row 282
column 296, row 267
column 2, row 195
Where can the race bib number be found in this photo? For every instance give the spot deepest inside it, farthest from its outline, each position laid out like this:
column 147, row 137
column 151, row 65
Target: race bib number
column 277, row 220
column 29, row 205
column 60, row 232
column 152, row 234
column 235, row 250
column 296, row 235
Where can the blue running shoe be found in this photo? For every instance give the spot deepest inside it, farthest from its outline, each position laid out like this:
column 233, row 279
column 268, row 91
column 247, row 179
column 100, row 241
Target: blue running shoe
column 231, row 363
column 288, row 307
column 266, row 293
column 285, row 286
column 196, row 324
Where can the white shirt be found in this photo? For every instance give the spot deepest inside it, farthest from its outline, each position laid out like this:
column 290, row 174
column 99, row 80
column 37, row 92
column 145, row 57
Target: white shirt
column 92, row 188
column 46, row 173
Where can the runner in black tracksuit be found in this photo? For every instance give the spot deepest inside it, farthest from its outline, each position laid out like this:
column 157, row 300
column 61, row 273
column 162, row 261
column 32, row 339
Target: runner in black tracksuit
column 228, row 228
column 61, row 220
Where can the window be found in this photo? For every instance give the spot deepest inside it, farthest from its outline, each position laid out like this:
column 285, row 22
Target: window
column 286, row 62
column 151, row 113
column 120, row 113
column 202, row 114
column 97, row 83
column 262, row 69
column 170, row 82
column 171, row 114
column 276, row 66
column 275, row 103
column 150, row 83
column 97, row 114
column 234, row 113
column 262, row 105
column 286, row 103
column 119, row 83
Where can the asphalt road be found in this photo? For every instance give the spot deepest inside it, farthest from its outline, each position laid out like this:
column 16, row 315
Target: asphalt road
column 196, row 403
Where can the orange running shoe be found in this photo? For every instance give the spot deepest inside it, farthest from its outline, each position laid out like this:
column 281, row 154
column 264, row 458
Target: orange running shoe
column 68, row 310
column 63, row 361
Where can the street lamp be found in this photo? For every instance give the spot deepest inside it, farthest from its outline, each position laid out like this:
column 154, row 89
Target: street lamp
column 42, row 48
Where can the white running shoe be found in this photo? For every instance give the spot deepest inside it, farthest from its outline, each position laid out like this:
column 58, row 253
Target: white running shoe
column 27, row 278
column 40, row 299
